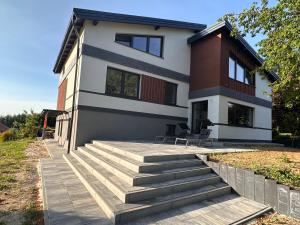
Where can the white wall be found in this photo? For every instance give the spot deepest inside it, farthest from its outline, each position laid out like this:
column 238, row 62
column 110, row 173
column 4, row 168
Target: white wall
column 262, row 90
column 93, row 78
column 213, row 112
column 218, row 113
column 176, row 51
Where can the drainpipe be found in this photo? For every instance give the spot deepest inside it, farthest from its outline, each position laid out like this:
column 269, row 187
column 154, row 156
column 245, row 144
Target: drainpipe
column 75, row 84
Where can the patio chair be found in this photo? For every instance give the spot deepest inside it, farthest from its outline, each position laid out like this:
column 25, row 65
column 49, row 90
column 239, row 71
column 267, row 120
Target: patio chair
column 169, row 135
column 197, row 139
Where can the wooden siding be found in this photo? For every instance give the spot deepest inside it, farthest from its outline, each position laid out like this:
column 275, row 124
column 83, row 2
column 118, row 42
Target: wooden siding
column 232, row 48
column 205, row 63
column 62, row 95
column 209, row 63
column 241, row 87
column 152, row 89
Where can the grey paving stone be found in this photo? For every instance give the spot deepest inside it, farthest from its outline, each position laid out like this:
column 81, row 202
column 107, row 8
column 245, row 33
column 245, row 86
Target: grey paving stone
column 283, row 196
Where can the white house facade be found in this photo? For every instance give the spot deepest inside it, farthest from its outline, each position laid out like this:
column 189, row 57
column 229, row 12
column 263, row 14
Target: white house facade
column 128, row 77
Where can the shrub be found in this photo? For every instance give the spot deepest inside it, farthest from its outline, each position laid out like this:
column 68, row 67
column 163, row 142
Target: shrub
column 7, row 135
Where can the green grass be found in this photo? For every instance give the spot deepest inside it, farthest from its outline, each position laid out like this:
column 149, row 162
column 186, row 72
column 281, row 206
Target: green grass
column 11, row 156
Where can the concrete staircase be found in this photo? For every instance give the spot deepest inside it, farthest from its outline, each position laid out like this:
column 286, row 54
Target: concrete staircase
column 128, row 186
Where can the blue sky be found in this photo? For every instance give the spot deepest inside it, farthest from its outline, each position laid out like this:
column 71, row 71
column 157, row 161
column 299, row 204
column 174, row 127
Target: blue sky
column 32, row 32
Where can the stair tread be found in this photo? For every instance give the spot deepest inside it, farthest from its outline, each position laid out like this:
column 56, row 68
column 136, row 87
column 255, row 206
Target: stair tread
column 117, row 206
column 138, row 163
column 135, row 174
column 126, row 188
column 143, row 158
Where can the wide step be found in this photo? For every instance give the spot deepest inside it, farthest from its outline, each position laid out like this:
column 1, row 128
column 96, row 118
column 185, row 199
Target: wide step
column 120, row 212
column 127, row 193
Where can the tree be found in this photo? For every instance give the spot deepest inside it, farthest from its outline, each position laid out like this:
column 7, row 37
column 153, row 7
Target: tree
column 281, row 46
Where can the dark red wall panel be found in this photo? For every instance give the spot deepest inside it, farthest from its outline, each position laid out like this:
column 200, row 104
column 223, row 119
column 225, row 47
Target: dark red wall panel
column 152, row 89
column 62, row 95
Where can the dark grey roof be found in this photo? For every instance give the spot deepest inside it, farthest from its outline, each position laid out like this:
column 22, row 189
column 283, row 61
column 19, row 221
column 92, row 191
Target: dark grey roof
column 3, row 127
column 80, row 15
column 225, row 24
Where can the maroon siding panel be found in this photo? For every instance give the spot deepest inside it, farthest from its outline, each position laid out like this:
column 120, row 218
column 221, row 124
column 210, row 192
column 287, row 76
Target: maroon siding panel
column 62, row 95
column 231, row 47
column 205, row 63
column 152, row 89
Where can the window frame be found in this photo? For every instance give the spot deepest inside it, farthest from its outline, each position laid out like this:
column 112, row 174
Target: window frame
column 147, row 42
column 244, row 106
column 243, row 66
column 122, row 91
column 174, row 84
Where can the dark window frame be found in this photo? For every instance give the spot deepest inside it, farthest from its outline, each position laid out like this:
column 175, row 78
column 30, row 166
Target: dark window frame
column 237, row 124
column 147, row 45
column 246, row 69
column 176, row 90
column 122, row 91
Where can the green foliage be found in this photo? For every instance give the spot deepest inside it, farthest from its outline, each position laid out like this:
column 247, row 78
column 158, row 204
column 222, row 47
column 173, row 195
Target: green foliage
column 31, row 213
column 7, row 135
column 10, row 120
column 30, row 128
column 285, row 158
column 280, row 48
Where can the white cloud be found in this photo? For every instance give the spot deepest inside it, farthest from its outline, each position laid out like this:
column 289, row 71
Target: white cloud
column 15, row 107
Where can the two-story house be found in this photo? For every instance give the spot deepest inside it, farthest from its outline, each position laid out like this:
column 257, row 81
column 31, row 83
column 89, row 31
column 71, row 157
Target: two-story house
column 127, row 77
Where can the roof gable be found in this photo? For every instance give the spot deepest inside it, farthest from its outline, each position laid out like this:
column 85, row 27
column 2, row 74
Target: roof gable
column 80, row 15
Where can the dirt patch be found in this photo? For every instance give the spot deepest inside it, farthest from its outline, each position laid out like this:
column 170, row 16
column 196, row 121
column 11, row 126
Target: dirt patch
column 21, row 202
column 275, row 219
column 281, row 164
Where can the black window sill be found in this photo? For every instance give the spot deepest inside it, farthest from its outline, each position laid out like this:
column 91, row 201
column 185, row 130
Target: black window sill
column 160, row 57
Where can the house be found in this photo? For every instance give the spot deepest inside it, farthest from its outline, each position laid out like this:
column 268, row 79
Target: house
column 3, row 128
column 127, row 77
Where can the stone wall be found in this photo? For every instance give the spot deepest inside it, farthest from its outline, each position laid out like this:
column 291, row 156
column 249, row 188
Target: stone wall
column 256, row 187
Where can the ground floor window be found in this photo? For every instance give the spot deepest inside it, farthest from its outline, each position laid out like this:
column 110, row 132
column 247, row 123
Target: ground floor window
column 240, row 115
column 122, row 83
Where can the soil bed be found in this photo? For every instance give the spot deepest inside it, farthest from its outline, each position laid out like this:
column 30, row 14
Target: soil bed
column 280, row 164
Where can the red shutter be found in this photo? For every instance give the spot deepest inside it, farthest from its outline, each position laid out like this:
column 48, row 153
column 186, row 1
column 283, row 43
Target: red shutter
column 152, row 89
column 62, row 95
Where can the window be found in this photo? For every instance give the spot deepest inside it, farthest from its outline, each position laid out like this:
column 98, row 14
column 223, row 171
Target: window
column 170, row 93
column 240, row 115
column 122, row 83
column 149, row 44
column 249, row 78
column 240, row 73
column 231, row 68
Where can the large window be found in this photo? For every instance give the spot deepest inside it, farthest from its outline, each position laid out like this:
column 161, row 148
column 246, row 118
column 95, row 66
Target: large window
column 122, row 83
column 170, row 93
column 238, row 72
column 149, row 44
column 240, row 115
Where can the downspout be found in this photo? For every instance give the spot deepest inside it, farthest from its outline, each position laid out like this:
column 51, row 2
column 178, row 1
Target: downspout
column 75, row 84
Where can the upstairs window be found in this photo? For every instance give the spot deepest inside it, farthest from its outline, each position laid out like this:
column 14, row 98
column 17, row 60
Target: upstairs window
column 239, row 115
column 240, row 73
column 122, row 83
column 170, row 93
column 149, row 44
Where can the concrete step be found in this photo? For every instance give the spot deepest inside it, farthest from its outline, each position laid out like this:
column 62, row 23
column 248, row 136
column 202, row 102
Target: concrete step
column 133, row 178
column 147, row 158
column 120, row 212
column 140, row 167
column 127, row 193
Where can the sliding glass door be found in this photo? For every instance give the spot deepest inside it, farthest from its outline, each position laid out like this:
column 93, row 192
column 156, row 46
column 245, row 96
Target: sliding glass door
column 199, row 113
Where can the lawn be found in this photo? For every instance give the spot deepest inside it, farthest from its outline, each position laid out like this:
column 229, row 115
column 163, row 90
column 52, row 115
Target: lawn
column 280, row 164
column 19, row 192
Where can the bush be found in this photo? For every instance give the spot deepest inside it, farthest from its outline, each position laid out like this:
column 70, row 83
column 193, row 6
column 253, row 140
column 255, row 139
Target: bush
column 7, row 135
column 31, row 126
